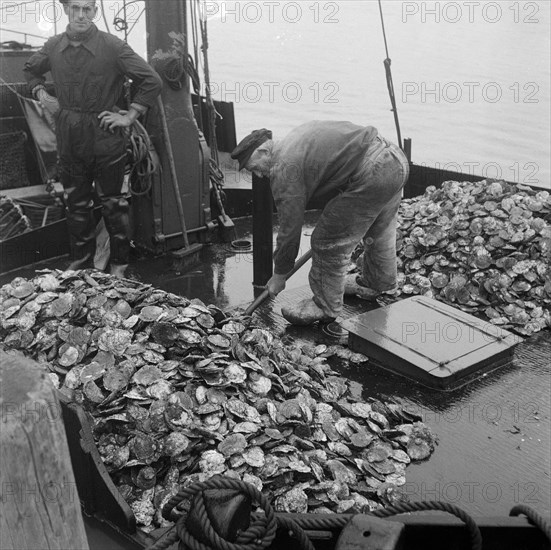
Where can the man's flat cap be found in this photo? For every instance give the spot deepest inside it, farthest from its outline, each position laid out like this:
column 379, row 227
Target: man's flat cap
column 246, row 147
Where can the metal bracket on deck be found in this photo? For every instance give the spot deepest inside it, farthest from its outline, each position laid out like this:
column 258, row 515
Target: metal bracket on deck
column 370, row 533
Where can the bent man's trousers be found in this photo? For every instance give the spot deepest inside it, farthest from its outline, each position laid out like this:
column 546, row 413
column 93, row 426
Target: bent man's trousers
column 367, row 208
column 88, row 154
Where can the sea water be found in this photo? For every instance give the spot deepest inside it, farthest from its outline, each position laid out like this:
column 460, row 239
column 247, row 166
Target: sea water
column 471, row 78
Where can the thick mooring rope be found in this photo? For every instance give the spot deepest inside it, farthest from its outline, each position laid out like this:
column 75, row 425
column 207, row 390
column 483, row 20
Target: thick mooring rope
column 534, row 517
column 262, row 530
column 260, row 534
column 402, row 508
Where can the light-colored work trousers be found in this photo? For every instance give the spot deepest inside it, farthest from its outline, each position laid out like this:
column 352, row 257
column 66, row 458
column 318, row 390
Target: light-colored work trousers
column 366, row 208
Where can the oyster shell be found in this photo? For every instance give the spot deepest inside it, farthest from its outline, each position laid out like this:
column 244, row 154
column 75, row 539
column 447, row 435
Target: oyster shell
column 180, row 392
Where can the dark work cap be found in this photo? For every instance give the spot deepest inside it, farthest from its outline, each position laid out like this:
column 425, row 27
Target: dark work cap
column 247, row 146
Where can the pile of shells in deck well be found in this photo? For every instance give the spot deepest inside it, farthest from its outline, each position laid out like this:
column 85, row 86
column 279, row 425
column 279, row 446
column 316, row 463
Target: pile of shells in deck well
column 179, row 391
column 482, row 247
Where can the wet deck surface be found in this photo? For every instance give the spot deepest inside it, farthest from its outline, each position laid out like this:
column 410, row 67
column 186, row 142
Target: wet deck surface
column 494, row 433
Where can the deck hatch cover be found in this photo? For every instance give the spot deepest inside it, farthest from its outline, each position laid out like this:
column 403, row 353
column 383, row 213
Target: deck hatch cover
column 430, row 341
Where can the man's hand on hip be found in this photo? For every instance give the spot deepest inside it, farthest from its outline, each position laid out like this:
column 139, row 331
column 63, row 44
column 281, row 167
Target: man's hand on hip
column 275, row 285
column 122, row 119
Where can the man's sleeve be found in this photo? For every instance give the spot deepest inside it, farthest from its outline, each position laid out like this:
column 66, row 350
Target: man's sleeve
column 290, row 202
column 291, row 217
column 148, row 81
column 36, row 67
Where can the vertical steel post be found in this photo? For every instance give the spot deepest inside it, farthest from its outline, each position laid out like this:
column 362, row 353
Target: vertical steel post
column 407, row 148
column 158, row 215
column 262, row 231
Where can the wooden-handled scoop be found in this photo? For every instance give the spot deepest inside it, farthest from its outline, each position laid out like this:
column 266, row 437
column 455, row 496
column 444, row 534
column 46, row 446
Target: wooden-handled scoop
column 298, row 264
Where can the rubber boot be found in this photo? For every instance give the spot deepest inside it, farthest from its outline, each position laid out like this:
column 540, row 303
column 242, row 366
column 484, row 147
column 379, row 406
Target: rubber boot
column 82, row 237
column 354, row 287
column 115, row 213
column 304, row 313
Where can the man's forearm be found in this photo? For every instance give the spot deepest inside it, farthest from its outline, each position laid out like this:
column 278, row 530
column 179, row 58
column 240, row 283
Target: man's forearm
column 148, row 81
column 288, row 237
column 142, row 109
column 133, row 114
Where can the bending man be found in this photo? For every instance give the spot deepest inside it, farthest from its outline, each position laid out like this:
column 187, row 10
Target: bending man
column 366, row 173
column 88, row 68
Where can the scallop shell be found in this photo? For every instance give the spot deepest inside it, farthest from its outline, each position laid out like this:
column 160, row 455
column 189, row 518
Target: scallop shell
column 147, row 375
column 150, row 313
column 254, row 456
column 235, row 374
column 232, row 444
column 175, row 444
column 179, row 390
column 115, row 341
column 212, row 462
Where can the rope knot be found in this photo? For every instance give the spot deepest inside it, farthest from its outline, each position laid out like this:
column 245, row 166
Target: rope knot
column 226, row 511
column 220, row 516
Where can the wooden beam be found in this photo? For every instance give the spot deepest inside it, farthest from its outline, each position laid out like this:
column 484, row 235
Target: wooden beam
column 39, row 504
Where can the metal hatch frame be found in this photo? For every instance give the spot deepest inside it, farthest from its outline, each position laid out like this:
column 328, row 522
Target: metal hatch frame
column 443, row 364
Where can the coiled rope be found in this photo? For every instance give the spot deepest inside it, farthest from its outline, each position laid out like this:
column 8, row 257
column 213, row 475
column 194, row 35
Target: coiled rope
column 174, row 70
column 260, row 534
column 262, row 529
column 143, row 160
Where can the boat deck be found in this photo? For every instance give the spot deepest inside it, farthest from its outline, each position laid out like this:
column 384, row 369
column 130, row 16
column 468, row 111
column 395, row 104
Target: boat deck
column 494, row 432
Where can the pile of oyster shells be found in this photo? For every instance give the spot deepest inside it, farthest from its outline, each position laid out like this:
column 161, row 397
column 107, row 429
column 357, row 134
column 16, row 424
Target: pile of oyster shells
column 179, row 391
column 483, row 247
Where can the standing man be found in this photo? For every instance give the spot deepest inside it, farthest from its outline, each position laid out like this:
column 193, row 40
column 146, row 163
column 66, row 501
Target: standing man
column 88, row 67
column 367, row 174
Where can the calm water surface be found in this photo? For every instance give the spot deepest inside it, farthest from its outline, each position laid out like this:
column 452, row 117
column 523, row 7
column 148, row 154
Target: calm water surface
column 472, row 80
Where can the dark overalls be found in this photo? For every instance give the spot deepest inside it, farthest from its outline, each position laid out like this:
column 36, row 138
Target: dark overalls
column 88, row 80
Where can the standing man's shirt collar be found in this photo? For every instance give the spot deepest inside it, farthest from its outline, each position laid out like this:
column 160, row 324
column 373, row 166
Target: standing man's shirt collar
column 90, row 43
